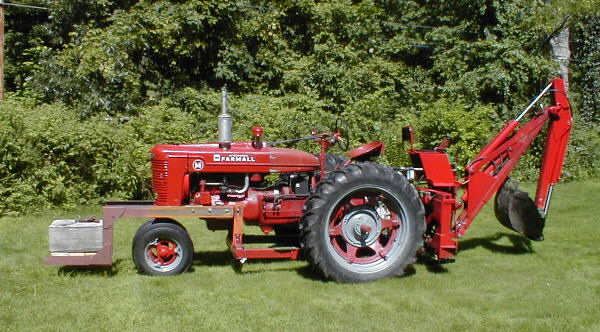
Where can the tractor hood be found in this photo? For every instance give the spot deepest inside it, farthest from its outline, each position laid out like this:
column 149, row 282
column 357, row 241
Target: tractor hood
column 241, row 157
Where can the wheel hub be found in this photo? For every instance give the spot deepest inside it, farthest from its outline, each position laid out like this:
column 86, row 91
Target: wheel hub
column 163, row 255
column 164, row 251
column 361, row 227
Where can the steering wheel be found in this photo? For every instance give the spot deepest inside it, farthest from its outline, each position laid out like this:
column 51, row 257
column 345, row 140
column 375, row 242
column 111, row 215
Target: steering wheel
column 342, row 128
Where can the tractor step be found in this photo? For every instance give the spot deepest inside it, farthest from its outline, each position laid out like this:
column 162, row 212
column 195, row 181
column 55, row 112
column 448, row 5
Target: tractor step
column 275, row 239
column 283, row 248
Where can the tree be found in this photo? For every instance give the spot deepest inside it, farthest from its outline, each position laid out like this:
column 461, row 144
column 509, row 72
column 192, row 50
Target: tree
column 563, row 14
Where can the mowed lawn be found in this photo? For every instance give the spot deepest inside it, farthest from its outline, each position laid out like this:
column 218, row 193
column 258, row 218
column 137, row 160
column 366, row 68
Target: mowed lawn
column 500, row 281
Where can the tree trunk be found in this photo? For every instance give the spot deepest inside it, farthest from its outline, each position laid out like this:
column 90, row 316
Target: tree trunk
column 561, row 53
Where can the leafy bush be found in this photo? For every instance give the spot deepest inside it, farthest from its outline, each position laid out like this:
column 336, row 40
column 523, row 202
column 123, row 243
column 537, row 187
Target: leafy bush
column 469, row 128
column 49, row 157
column 459, row 68
column 583, row 158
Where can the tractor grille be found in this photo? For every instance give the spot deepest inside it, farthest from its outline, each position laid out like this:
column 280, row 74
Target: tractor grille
column 160, row 174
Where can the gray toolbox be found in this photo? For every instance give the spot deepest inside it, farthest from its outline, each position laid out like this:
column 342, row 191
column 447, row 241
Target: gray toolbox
column 75, row 235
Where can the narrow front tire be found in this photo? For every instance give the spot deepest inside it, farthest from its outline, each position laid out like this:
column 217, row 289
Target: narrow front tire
column 162, row 248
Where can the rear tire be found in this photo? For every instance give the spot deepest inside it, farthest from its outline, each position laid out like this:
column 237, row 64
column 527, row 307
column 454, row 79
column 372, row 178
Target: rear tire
column 162, row 248
column 334, row 161
column 365, row 222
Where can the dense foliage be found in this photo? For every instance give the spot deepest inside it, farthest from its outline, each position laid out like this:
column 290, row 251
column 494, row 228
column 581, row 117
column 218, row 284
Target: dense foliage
column 458, row 68
column 587, row 61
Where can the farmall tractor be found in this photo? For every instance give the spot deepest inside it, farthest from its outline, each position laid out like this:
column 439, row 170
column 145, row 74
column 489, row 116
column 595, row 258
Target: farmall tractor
column 353, row 219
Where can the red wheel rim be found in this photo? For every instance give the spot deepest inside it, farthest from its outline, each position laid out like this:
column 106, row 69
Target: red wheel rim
column 359, row 233
column 163, row 254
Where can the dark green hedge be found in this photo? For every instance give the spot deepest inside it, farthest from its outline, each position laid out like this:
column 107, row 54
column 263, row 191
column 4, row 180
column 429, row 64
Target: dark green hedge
column 51, row 157
column 459, row 68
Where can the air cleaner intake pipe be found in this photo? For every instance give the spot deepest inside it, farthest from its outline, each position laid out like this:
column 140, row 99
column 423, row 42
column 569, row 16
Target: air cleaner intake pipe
column 225, row 121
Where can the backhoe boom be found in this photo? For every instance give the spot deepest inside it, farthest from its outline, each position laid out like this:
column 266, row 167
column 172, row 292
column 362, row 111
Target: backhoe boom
column 488, row 172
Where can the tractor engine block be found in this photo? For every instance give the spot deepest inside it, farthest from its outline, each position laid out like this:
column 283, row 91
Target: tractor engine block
column 265, row 206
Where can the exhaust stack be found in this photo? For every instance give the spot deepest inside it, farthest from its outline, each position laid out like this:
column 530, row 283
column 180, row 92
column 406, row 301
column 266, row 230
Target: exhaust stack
column 225, row 122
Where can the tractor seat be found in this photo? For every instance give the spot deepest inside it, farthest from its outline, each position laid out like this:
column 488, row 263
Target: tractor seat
column 367, row 151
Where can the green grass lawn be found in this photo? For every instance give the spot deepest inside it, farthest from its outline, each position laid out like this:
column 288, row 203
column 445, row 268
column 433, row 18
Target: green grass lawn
column 500, row 282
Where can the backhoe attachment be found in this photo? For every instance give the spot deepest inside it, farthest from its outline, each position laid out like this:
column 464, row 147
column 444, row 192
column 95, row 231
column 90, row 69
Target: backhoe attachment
column 489, row 171
column 487, row 174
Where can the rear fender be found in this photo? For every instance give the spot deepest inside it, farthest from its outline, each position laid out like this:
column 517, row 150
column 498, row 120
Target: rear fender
column 367, row 151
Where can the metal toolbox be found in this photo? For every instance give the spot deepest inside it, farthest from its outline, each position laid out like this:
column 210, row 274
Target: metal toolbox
column 75, row 235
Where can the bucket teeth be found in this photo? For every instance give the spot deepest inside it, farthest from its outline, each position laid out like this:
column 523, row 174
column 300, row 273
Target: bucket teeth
column 515, row 210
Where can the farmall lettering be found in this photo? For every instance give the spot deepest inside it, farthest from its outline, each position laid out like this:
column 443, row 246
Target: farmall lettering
column 233, row 158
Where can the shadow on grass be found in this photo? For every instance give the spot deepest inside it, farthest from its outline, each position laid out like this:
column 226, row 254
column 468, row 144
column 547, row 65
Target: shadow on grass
column 108, row 271
column 212, row 258
column 266, row 265
column 430, row 264
column 519, row 244
column 309, row 272
column 225, row 258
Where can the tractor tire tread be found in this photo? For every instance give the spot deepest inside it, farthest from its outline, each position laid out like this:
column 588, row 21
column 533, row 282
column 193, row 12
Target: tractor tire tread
column 156, row 228
column 316, row 206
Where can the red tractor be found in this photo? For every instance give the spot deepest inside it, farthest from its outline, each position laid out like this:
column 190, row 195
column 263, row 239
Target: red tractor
column 354, row 220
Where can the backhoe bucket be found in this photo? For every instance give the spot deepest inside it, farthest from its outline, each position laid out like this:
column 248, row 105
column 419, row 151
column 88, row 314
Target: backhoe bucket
column 516, row 210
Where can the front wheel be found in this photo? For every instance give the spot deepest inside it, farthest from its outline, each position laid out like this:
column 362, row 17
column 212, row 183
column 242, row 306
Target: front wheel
column 162, row 248
column 365, row 222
